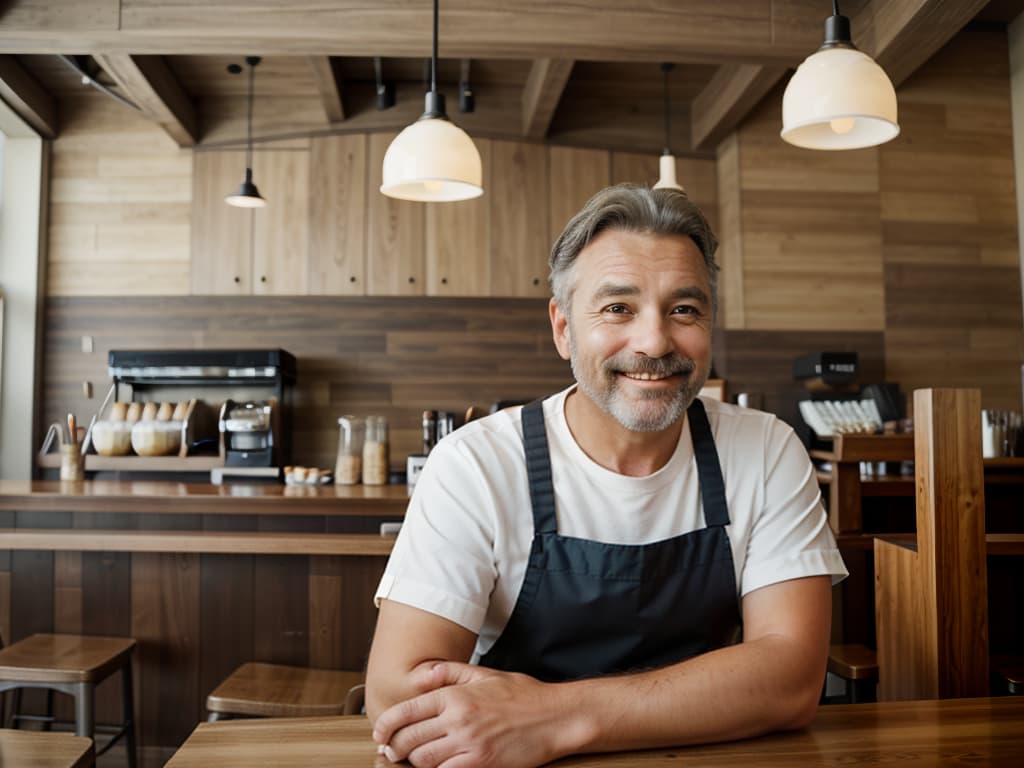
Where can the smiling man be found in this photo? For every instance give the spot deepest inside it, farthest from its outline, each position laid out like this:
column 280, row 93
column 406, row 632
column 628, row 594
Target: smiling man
column 623, row 564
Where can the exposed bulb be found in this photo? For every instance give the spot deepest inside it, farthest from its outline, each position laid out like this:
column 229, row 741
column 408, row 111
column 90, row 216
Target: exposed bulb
column 842, row 125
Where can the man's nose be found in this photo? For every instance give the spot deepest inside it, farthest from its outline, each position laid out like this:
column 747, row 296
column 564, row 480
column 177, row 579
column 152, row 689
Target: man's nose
column 651, row 335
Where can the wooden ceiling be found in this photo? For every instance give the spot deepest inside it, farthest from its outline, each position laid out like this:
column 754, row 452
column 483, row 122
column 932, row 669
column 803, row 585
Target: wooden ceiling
column 584, row 72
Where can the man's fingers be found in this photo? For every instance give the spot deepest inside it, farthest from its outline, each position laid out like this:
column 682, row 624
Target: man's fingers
column 456, row 673
column 405, row 713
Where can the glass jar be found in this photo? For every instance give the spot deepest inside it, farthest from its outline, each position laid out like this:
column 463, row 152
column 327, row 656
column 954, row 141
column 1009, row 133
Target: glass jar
column 351, row 433
column 375, row 451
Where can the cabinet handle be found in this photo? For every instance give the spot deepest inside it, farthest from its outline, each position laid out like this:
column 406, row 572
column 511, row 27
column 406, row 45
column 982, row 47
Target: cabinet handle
column 444, row 281
column 412, row 279
column 238, row 279
column 263, row 278
column 352, row 279
column 536, row 281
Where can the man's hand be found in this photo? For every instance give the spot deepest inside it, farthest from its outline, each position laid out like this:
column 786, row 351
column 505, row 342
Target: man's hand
column 472, row 716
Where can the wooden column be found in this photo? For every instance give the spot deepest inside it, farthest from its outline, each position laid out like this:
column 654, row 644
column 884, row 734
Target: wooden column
column 931, row 600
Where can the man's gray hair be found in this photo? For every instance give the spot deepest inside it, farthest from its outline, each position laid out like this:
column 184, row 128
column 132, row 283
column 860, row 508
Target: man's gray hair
column 631, row 208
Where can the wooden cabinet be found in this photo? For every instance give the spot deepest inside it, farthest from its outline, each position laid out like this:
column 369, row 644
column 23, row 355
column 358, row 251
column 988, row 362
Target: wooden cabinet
column 518, row 200
column 458, row 235
column 574, row 175
column 240, row 251
column 221, row 234
column 337, row 215
column 396, row 253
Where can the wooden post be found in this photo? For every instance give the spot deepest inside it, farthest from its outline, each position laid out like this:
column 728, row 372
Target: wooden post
column 931, row 600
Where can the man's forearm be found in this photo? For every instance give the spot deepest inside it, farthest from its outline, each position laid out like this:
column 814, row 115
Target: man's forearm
column 735, row 692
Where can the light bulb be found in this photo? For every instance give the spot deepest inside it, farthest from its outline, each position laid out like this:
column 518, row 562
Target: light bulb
column 842, row 125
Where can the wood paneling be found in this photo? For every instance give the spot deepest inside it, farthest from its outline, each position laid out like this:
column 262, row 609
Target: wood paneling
column 396, row 253
column 458, row 238
column 519, row 244
column 109, row 163
column 574, row 175
column 222, row 235
column 337, row 221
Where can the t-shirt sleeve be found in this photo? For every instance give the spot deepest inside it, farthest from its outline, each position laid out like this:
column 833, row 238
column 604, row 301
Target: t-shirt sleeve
column 790, row 538
column 443, row 559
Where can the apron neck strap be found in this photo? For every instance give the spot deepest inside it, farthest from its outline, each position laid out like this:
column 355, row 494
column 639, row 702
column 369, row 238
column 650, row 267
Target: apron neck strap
column 709, row 469
column 538, row 468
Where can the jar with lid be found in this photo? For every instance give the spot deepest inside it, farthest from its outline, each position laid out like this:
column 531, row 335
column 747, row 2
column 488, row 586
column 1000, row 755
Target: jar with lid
column 351, row 434
column 375, row 451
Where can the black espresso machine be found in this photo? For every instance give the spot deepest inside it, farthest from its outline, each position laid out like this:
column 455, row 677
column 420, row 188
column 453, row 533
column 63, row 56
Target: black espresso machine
column 249, row 390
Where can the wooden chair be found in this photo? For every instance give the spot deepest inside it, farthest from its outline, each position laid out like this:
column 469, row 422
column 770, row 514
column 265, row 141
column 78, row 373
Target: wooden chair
column 75, row 665
column 44, row 750
column 273, row 690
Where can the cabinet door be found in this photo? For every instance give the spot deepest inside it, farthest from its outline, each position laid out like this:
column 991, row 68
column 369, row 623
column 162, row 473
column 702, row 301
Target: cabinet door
column 574, row 176
column 636, row 168
column 221, row 233
column 519, row 219
column 395, row 253
column 337, row 215
column 281, row 229
column 458, row 262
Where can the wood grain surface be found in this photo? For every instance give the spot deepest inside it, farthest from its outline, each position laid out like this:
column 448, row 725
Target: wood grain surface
column 925, row 733
column 44, row 750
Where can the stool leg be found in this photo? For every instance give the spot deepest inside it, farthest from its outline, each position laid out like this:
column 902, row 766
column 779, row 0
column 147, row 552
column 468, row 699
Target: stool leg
column 128, row 697
column 85, row 723
column 12, row 716
column 48, row 724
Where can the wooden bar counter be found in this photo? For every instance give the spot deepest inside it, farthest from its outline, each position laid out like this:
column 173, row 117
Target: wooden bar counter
column 204, row 577
column 983, row 732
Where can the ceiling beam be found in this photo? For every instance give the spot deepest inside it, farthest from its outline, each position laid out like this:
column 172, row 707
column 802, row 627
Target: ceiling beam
column 541, row 94
column 902, row 36
column 750, row 31
column 733, row 91
column 328, row 83
column 149, row 83
column 27, row 97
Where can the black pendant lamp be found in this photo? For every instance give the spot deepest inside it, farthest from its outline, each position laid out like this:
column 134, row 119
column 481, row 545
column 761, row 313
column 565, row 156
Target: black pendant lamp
column 247, row 195
column 667, row 161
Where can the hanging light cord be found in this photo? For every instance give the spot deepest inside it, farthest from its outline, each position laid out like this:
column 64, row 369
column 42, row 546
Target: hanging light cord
column 433, row 60
column 666, row 68
column 835, row 7
column 248, row 143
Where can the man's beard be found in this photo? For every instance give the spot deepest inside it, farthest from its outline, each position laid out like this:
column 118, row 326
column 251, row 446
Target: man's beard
column 656, row 411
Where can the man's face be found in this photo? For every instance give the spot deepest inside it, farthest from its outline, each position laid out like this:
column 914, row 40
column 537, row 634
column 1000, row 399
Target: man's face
column 638, row 333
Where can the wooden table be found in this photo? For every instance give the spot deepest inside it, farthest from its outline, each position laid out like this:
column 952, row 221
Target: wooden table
column 44, row 750
column 983, row 732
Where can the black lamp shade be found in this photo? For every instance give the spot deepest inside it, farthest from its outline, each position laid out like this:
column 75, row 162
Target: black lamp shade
column 247, row 195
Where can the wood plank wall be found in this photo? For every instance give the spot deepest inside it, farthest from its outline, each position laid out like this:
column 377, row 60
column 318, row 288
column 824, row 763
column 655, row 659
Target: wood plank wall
column 915, row 239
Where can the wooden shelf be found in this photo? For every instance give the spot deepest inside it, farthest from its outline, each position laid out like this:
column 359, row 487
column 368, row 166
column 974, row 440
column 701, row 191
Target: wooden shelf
column 96, row 463
column 202, row 542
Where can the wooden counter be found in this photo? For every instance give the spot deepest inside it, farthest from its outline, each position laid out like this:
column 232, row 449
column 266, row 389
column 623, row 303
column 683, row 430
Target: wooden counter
column 919, row 733
column 205, row 578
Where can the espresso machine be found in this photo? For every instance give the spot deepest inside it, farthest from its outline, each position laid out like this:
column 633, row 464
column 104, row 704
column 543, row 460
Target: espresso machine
column 247, row 432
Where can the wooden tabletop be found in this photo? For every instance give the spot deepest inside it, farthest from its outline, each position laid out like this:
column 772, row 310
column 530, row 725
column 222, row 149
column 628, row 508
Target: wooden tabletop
column 161, row 496
column 918, row 733
column 44, row 750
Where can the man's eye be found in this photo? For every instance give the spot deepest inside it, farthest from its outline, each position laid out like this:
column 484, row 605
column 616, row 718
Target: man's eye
column 617, row 309
column 686, row 309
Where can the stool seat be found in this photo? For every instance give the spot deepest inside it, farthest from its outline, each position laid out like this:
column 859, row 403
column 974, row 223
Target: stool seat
column 272, row 690
column 853, row 662
column 44, row 750
column 64, row 658
column 1010, row 671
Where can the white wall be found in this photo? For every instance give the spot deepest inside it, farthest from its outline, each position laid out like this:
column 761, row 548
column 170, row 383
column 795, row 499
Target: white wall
column 22, row 229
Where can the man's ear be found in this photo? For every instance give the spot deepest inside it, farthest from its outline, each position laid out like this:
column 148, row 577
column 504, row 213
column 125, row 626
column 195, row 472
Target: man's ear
column 559, row 329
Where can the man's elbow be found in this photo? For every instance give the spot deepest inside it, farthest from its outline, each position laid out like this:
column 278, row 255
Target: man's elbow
column 801, row 708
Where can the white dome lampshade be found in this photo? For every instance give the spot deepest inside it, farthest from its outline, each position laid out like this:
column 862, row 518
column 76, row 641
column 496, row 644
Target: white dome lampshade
column 432, row 160
column 667, row 174
column 839, row 98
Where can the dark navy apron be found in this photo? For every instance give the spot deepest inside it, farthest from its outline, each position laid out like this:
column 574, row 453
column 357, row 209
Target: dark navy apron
column 587, row 608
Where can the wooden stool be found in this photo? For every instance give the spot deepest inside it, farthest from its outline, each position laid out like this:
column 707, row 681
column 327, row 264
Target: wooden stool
column 272, row 690
column 857, row 665
column 44, row 750
column 75, row 665
column 1008, row 672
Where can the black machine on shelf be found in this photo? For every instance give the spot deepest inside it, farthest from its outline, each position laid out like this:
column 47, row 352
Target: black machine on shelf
column 248, row 393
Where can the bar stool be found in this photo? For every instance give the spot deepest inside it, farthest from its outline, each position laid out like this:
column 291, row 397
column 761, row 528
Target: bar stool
column 75, row 665
column 857, row 666
column 273, row 690
column 45, row 750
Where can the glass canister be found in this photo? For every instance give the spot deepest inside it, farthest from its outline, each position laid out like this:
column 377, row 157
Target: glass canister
column 375, row 451
column 351, row 435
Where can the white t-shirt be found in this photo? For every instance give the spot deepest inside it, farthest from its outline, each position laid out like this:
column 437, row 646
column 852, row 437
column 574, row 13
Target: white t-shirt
column 464, row 545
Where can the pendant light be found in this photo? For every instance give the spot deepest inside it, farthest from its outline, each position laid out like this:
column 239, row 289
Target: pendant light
column 433, row 160
column 839, row 98
column 667, row 161
column 247, row 195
